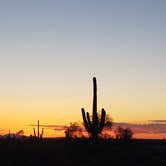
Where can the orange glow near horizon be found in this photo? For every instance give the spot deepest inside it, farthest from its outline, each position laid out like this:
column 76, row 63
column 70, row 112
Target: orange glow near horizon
column 20, row 114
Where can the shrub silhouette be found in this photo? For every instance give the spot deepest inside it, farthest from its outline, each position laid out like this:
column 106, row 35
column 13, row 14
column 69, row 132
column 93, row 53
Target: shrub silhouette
column 106, row 132
column 95, row 125
column 123, row 133
column 73, row 130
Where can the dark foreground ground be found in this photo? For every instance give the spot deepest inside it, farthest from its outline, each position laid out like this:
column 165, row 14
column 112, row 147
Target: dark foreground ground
column 82, row 153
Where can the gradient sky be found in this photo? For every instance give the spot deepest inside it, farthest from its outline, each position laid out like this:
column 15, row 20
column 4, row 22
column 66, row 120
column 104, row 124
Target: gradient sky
column 50, row 50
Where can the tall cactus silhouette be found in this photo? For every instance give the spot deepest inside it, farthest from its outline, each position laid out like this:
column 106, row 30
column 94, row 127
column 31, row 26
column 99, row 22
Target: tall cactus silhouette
column 95, row 125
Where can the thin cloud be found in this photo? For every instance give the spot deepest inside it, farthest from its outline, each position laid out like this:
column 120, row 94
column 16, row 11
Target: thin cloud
column 156, row 126
column 53, row 127
column 158, row 121
column 144, row 128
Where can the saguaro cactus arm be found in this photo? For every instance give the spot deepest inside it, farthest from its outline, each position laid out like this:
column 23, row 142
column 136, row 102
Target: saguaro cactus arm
column 88, row 119
column 34, row 132
column 41, row 135
column 85, row 120
column 102, row 121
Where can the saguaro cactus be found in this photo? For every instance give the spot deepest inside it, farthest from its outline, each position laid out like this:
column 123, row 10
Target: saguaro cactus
column 38, row 136
column 95, row 125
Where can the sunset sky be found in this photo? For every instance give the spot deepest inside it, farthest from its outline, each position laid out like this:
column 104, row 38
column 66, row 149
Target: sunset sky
column 50, row 50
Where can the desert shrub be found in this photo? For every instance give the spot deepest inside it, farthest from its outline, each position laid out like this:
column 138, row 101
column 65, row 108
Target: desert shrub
column 123, row 133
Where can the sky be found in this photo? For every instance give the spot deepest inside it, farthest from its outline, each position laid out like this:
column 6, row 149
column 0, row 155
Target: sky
column 50, row 50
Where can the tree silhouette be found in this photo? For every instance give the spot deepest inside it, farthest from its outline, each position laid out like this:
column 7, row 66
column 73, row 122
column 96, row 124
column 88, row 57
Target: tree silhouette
column 73, row 130
column 123, row 133
column 106, row 132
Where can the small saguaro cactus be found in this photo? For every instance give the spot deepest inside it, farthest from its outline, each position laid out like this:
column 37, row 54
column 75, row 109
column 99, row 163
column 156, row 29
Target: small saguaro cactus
column 38, row 136
column 95, row 125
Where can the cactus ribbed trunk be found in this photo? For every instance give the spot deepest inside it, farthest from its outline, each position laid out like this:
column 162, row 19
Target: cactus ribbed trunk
column 94, row 114
column 38, row 129
column 95, row 117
